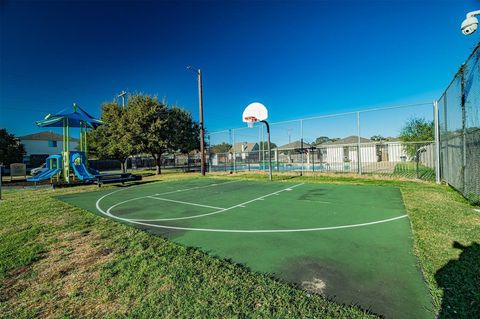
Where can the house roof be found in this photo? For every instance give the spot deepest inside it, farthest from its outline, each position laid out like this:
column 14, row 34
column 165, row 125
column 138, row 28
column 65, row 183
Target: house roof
column 294, row 145
column 352, row 139
column 45, row 136
column 247, row 147
column 393, row 139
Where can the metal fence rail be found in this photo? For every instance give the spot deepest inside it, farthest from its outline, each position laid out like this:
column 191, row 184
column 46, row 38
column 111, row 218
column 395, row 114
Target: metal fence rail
column 459, row 129
column 366, row 142
column 410, row 160
column 362, row 142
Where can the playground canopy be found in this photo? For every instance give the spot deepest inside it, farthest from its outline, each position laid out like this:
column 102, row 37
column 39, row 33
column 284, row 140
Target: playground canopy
column 70, row 117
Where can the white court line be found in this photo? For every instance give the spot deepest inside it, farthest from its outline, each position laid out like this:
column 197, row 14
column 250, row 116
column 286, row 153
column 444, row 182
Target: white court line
column 186, row 203
column 243, row 230
column 265, row 230
column 207, row 214
column 97, row 204
column 196, row 187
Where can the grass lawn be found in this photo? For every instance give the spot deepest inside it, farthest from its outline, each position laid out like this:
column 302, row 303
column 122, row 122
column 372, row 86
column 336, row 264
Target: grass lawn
column 409, row 170
column 60, row 261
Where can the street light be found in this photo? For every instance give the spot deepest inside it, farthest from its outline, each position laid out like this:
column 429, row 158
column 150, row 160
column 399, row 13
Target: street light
column 200, row 104
column 122, row 95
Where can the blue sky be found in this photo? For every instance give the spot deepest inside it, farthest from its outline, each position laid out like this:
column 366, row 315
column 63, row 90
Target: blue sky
column 298, row 58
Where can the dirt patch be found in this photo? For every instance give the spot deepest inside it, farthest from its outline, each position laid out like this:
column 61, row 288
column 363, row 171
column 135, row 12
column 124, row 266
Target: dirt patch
column 336, row 282
column 68, row 270
column 166, row 233
column 317, row 276
column 121, row 212
column 313, row 195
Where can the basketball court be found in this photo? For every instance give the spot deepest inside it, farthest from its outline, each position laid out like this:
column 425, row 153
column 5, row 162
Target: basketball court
column 347, row 242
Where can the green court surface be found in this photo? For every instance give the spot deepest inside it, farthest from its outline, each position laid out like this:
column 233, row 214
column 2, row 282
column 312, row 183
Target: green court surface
column 350, row 243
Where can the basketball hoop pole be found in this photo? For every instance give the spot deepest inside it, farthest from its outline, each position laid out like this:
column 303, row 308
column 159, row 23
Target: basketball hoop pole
column 269, row 150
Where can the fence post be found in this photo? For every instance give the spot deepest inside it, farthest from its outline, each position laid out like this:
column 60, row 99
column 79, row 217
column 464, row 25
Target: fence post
column 301, row 146
column 437, row 142
column 358, row 145
column 464, row 126
column 234, row 153
column 417, row 159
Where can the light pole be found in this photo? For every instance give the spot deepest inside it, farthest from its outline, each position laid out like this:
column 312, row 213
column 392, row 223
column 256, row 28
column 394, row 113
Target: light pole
column 122, row 95
column 200, row 105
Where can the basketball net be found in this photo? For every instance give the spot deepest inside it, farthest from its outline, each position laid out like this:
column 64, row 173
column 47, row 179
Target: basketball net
column 250, row 120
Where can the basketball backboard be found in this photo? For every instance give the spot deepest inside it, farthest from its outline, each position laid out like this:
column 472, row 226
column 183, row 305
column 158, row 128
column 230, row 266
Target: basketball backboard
column 255, row 112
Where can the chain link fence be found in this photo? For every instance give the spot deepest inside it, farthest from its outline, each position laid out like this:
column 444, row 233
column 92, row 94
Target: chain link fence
column 459, row 129
column 362, row 142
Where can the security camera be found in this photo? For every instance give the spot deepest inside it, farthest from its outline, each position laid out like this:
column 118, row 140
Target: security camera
column 470, row 24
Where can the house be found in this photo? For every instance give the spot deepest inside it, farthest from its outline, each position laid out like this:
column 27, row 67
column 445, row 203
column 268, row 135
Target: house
column 244, row 150
column 38, row 146
column 375, row 156
column 291, row 152
column 344, row 150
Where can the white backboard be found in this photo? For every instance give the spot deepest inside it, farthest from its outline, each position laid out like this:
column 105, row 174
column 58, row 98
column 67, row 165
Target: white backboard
column 257, row 110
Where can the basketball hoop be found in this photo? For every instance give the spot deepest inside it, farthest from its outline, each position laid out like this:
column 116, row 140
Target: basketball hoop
column 250, row 120
column 256, row 112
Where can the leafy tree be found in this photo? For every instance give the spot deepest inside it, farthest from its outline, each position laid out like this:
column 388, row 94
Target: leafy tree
column 11, row 150
column 186, row 137
column 148, row 123
column 321, row 139
column 221, row 148
column 157, row 129
column 378, row 138
column 416, row 130
column 112, row 141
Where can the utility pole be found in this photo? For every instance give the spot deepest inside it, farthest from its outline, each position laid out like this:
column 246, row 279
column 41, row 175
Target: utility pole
column 202, row 131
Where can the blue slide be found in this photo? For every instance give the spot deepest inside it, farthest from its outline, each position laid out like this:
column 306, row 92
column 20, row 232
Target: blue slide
column 45, row 175
column 77, row 159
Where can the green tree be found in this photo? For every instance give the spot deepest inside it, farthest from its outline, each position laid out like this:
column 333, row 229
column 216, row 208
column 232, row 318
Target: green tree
column 112, row 141
column 221, row 148
column 11, row 150
column 321, row 139
column 186, row 137
column 416, row 130
column 157, row 129
column 378, row 138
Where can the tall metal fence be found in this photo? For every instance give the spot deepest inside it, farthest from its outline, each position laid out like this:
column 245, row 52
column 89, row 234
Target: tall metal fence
column 459, row 129
column 362, row 142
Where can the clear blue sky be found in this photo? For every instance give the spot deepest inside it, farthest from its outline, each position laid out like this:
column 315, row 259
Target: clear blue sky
column 298, row 58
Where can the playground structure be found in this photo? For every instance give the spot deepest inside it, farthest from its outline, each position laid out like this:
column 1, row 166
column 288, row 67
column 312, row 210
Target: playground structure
column 70, row 166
